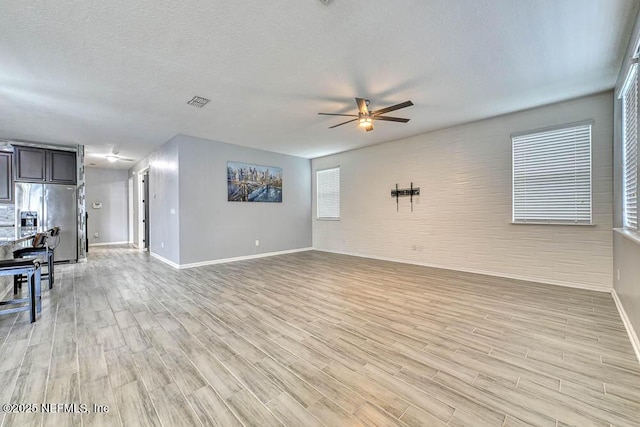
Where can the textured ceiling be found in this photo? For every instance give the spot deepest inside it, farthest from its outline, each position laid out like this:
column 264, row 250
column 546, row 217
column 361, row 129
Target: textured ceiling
column 119, row 73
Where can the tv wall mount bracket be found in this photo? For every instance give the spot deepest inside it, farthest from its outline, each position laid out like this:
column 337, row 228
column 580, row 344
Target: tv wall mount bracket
column 403, row 192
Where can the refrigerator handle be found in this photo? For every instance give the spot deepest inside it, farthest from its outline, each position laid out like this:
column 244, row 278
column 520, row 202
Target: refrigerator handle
column 43, row 221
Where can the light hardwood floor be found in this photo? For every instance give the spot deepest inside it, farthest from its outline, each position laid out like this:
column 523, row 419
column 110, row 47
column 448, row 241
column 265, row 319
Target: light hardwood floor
column 312, row 339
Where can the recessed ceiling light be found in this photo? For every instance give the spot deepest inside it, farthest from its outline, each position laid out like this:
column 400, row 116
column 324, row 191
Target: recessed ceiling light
column 198, row 101
column 326, row 2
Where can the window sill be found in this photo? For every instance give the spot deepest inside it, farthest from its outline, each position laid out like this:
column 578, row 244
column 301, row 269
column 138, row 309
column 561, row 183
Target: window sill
column 327, row 219
column 572, row 224
column 629, row 234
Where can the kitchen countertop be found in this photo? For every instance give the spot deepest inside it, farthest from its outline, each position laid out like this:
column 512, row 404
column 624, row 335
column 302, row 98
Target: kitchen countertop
column 7, row 247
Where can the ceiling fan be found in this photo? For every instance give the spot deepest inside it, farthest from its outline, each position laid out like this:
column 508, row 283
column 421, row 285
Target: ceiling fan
column 365, row 117
column 113, row 157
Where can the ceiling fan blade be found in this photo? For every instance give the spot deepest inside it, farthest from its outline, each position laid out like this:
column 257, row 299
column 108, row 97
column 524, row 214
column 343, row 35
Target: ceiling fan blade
column 392, row 108
column 362, row 105
column 334, row 114
column 116, row 158
column 390, row 119
column 343, row 123
column 369, row 128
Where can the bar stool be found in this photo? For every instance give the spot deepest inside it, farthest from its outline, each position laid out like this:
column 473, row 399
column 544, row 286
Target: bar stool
column 44, row 252
column 30, row 267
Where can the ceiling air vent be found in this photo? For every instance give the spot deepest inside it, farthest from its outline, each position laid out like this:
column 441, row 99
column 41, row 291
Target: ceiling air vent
column 326, row 2
column 198, row 101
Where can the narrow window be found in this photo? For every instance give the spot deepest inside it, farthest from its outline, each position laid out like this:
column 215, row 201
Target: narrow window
column 630, row 149
column 328, row 193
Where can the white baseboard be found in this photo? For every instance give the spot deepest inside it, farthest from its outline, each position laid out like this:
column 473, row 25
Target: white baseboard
column 487, row 273
column 242, row 258
column 165, row 260
column 108, row 243
column 226, row 260
column 633, row 337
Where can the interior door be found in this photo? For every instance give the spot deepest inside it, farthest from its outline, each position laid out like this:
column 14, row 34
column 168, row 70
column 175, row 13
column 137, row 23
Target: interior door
column 145, row 203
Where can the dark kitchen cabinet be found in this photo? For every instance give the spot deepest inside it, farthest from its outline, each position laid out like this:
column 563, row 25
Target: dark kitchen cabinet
column 6, row 177
column 61, row 167
column 40, row 165
column 30, row 164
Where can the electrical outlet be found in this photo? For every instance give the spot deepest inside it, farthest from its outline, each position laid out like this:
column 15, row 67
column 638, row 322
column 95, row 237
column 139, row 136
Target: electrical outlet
column 162, row 244
column 257, row 242
column 618, row 274
column 96, row 235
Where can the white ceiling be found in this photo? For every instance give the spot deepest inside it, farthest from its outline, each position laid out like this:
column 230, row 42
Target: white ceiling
column 119, row 73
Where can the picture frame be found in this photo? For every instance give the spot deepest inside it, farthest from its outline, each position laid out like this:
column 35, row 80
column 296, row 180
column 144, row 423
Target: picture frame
column 253, row 183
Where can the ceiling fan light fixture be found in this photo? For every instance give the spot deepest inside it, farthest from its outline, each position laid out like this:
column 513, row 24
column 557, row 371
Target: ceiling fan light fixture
column 364, row 120
column 365, row 117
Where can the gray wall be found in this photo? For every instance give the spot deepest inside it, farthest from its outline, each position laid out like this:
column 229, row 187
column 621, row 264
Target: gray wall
column 108, row 186
column 164, row 201
column 462, row 219
column 191, row 220
column 163, row 198
column 626, row 250
column 212, row 228
column 626, row 253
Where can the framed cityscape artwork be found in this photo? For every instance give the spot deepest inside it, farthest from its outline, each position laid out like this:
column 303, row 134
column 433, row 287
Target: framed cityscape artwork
column 253, row 183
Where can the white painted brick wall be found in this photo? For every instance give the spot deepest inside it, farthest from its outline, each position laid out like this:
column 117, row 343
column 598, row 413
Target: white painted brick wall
column 462, row 218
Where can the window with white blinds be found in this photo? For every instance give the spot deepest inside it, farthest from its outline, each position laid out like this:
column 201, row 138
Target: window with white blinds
column 552, row 175
column 630, row 149
column 328, row 193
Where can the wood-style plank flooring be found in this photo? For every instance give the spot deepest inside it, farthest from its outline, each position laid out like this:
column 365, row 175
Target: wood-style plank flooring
column 311, row 339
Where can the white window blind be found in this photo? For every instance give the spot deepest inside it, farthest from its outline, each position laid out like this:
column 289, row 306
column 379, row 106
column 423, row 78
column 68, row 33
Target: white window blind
column 552, row 176
column 328, row 193
column 630, row 149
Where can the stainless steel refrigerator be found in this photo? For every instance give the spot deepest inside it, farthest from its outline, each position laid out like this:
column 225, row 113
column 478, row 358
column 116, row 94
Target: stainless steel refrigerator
column 40, row 207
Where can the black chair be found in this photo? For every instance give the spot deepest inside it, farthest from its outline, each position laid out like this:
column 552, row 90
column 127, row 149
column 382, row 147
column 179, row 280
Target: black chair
column 29, row 267
column 44, row 252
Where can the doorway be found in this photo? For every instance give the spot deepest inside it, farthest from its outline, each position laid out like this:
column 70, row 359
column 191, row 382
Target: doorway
column 145, row 211
column 142, row 216
column 130, row 209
